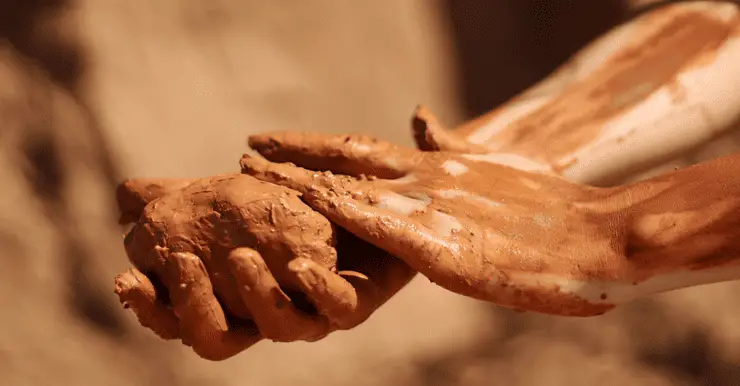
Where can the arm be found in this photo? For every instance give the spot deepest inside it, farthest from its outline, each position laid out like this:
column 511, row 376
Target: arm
column 682, row 229
column 521, row 239
column 643, row 94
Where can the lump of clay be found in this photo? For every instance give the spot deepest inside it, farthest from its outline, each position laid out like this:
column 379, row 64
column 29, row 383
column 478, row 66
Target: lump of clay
column 209, row 217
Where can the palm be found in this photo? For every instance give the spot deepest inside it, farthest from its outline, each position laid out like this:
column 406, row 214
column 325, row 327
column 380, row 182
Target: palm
column 466, row 222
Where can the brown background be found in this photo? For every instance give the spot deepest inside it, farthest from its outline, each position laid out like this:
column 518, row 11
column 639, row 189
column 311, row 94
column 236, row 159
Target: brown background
column 94, row 91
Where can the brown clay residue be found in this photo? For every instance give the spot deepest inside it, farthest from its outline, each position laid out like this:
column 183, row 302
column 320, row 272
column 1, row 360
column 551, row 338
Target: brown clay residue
column 683, row 221
column 348, row 154
column 133, row 195
column 240, row 260
column 652, row 60
column 549, row 301
column 136, row 291
column 461, row 219
column 209, row 217
column 431, row 136
column 455, row 219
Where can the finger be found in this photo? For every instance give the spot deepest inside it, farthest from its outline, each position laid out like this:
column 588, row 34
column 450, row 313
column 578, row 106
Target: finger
column 137, row 292
column 333, row 296
column 344, row 154
column 134, row 194
column 272, row 310
column 203, row 323
column 399, row 235
column 227, row 294
column 431, row 136
column 291, row 176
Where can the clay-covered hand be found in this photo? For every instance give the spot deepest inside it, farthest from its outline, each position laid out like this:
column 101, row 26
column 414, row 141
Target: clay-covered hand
column 230, row 249
column 521, row 239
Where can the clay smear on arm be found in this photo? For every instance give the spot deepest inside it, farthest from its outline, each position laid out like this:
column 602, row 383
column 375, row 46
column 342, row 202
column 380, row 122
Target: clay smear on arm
column 643, row 94
column 682, row 229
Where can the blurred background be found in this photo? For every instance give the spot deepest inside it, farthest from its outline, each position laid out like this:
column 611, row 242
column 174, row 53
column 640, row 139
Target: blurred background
column 95, row 91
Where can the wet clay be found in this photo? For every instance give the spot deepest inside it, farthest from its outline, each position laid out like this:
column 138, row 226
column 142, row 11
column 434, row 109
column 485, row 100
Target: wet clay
column 523, row 239
column 211, row 216
column 348, row 155
column 228, row 250
column 472, row 226
column 136, row 291
column 197, row 237
column 133, row 195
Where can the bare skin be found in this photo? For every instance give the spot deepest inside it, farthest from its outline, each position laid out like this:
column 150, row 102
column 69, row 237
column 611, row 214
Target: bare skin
column 227, row 249
column 647, row 92
column 520, row 239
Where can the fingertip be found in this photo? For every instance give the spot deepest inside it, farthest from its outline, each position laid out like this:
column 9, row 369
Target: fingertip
column 131, row 199
column 333, row 297
column 318, row 198
column 267, row 143
column 251, row 164
column 136, row 292
column 245, row 255
column 132, row 195
column 203, row 322
column 430, row 135
column 257, row 141
column 310, row 274
column 272, row 310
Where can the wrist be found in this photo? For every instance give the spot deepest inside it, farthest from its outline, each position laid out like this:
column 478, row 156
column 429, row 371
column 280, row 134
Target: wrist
column 681, row 229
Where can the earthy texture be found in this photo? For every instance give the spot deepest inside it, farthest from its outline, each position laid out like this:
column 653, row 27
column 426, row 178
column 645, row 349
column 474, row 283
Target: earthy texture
column 516, row 237
column 466, row 222
column 481, row 255
column 169, row 88
column 647, row 91
column 227, row 249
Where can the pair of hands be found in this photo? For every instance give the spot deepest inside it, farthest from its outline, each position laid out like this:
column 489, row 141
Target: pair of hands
column 520, row 238
column 232, row 256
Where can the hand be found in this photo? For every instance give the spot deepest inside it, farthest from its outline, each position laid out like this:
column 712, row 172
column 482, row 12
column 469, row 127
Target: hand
column 517, row 238
column 229, row 249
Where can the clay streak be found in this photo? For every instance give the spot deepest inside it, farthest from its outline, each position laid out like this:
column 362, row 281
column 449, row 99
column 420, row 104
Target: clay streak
column 502, row 120
column 444, row 224
column 509, row 159
column 397, row 203
column 456, row 193
column 454, row 168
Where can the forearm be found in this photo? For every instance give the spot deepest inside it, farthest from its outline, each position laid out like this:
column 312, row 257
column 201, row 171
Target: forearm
column 642, row 95
column 683, row 229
